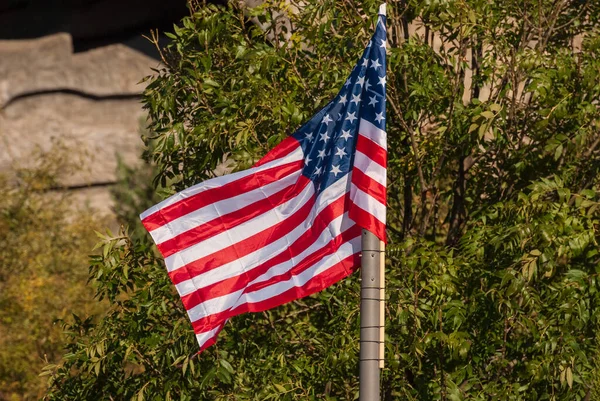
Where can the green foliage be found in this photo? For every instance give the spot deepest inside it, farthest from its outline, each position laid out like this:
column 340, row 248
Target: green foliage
column 44, row 244
column 133, row 192
column 492, row 269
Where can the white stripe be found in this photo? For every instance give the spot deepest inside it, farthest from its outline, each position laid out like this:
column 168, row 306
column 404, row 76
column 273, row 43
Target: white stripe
column 260, row 256
column 240, row 232
column 220, row 208
column 347, row 249
column 367, row 203
column 207, row 335
column 238, row 298
column 215, row 305
column 370, row 168
column 368, row 130
column 335, row 228
column 217, row 182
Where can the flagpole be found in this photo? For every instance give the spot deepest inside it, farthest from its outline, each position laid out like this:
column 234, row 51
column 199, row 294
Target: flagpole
column 381, row 304
column 370, row 304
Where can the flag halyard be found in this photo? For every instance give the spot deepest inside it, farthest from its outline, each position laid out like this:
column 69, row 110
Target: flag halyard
column 291, row 225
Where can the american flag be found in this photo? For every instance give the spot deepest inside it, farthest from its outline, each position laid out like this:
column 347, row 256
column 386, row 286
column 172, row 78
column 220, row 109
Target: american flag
column 291, row 225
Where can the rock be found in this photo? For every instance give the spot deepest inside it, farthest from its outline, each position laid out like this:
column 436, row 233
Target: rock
column 93, row 130
column 28, row 67
column 89, row 102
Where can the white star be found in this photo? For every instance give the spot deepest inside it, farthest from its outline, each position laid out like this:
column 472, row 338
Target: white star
column 347, row 82
column 324, row 137
column 373, row 101
column 351, row 117
column 327, row 119
column 361, row 81
column 367, row 84
column 309, row 136
column 335, row 170
column 383, row 43
column 379, row 118
column 365, row 62
column 375, row 64
column 346, row 134
column 321, row 154
column 307, row 160
column 369, row 44
column 318, row 171
column 355, row 99
column 381, row 81
column 340, row 152
column 343, row 99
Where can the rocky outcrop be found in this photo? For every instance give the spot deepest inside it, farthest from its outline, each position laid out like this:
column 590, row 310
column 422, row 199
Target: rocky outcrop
column 29, row 67
column 89, row 101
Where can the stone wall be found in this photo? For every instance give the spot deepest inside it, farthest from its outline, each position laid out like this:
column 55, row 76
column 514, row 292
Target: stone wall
column 88, row 100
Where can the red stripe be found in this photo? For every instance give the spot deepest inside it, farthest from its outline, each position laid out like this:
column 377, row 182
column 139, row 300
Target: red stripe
column 355, row 231
column 318, row 283
column 204, row 198
column 332, row 211
column 368, row 185
column 244, row 247
column 212, row 340
column 372, row 150
column 367, row 221
column 315, row 257
column 231, row 220
column 285, row 147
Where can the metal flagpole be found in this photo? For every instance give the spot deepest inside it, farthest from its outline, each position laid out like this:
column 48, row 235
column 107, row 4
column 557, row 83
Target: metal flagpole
column 370, row 303
column 381, row 304
column 371, row 310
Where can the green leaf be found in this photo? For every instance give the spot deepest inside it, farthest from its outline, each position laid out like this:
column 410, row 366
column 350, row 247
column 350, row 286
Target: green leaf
column 495, row 107
column 558, row 152
column 226, row 365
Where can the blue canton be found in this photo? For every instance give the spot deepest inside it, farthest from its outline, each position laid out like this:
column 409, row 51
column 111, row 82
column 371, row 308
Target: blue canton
column 329, row 138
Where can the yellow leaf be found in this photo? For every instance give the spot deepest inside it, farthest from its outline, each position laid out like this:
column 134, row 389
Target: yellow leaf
column 569, row 377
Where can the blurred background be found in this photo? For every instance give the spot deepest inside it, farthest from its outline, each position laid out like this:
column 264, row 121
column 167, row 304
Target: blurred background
column 70, row 72
column 70, row 122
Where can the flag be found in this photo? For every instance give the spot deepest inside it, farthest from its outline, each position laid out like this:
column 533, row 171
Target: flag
column 291, row 225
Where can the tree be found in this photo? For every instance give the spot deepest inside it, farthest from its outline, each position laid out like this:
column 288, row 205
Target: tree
column 44, row 242
column 493, row 207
